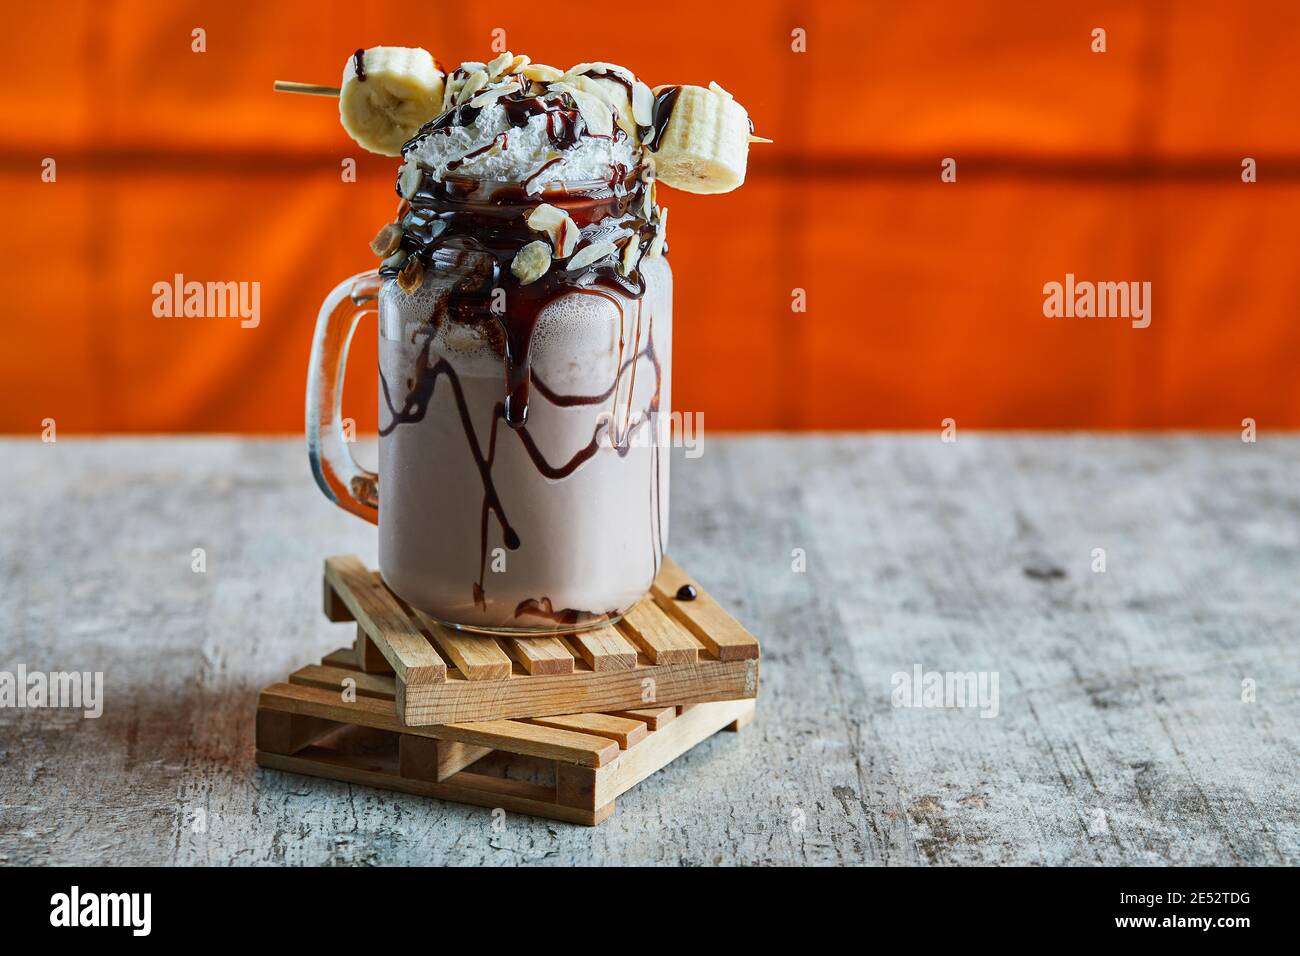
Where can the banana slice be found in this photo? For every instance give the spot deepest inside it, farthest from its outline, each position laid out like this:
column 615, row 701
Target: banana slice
column 397, row 91
column 705, row 145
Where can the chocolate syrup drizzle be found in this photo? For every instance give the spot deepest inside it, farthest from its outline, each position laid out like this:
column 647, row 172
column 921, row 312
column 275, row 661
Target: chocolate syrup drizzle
column 359, row 63
column 474, row 229
column 663, row 111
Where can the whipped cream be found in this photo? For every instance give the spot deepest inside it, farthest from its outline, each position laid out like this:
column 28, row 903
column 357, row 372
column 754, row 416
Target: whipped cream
column 519, row 152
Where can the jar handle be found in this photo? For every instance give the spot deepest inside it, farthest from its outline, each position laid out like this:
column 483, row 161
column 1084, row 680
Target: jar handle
column 343, row 481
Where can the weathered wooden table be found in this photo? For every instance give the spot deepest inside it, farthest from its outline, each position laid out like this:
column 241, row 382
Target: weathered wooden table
column 1146, row 713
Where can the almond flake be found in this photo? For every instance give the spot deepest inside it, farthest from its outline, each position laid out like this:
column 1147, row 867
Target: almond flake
column 412, row 275
column 541, row 73
column 581, row 69
column 720, row 91
column 642, row 104
column 476, row 81
column 661, row 232
column 531, row 262
column 409, row 178
column 589, row 254
column 386, row 240
column 500, row 63
column 631, row 255
column 493, row 94
column 559, row 228
column 450, row 90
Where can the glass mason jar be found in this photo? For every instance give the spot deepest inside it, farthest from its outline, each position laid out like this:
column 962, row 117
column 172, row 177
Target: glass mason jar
column 525, row 486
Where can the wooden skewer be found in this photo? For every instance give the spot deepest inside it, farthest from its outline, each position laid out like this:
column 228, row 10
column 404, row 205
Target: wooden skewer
column 308, row 89
column 311, row 89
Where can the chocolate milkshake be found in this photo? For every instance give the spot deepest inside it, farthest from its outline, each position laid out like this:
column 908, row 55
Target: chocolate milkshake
column 560, row 522
column 525, row 315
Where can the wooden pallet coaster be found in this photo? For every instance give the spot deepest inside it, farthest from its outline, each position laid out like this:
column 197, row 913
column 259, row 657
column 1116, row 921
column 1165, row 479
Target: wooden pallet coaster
column 565, row 768
column 664, row 652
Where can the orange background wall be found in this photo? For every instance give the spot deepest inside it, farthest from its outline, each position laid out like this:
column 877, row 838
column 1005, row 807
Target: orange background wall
column 924, row 298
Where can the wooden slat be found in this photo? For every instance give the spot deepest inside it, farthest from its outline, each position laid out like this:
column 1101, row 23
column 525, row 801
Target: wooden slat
column 517, row 737
column 325, row 702
column 381, row 686
column 540, row 655
column 421, row 758
column 554, row 743
column 627, row 727
column 400, row 640
column 454, row 756
column 654, row 718
column 288, row 733
column 626, row 730
column 662, row 638
column 575, row 786
column 582, row 692
column 476, row 656
column 664, row 746
column 367, row 654
column 515, row 796
column 335, row 609
column 417, row 757
column 345, row 657
column 704, row 617
column 604, row 649
column 742, row 721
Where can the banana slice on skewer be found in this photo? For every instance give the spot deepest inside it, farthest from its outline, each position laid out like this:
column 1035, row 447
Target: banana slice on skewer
column 704, row 146
column 388, row 93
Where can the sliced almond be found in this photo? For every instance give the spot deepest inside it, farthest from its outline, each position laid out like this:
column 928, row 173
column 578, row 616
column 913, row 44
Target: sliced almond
column 409, row 178
column 589, row 254
column 643, row 102
column 531, row 262
column 492, row 94
column 450, row 90
column 412, row 275
column 581, row 69
column 559, row 228
column 661, row 233
column 386, row 240
column 495, row 68
column 541, row 73
column 517, row 65
column 473, row 84
column 720, row 91
column 631, row 255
